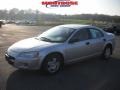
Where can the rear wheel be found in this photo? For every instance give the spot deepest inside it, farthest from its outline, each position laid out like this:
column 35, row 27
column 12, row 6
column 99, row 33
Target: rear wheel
column 107, row 52
column 52, row 63
column 115, row 32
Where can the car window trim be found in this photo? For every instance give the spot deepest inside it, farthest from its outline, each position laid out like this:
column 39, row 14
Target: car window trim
column 78, row 31
column 98, row 30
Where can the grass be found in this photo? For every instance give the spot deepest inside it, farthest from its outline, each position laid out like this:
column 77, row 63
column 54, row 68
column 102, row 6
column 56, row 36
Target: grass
column 64, row 21
column 76, row 21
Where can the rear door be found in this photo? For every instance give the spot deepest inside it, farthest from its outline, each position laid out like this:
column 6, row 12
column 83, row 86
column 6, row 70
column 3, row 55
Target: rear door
column 97, row 40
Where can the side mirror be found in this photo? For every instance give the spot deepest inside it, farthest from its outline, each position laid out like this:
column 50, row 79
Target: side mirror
column 73, row 40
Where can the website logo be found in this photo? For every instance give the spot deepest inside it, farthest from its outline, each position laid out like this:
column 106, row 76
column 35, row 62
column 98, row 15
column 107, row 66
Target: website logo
column 59, row 3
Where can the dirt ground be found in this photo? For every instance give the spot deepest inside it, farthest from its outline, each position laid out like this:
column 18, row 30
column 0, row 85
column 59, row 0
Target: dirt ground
column 92, row 74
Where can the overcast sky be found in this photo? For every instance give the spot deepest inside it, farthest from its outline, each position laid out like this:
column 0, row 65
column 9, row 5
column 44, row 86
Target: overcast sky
column 110, row 7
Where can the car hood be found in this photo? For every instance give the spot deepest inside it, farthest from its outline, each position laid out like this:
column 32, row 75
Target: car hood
column 30, row 44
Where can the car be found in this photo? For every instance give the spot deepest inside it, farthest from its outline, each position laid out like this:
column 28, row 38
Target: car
column 2, row 22
column 113, row 29
column 60, row 45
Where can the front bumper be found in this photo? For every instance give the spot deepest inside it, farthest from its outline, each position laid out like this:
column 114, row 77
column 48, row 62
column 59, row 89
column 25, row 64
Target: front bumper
column 30, row 64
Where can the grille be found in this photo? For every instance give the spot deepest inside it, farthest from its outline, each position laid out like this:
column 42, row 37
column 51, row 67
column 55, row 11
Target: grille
column 9, row 59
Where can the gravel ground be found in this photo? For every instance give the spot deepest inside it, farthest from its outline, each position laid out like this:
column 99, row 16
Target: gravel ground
column 92, row 74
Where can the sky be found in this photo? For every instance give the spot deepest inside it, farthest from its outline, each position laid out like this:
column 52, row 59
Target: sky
column 109, row 7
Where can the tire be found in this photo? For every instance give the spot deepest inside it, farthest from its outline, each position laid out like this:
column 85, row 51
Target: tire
column 52, row 63
column 115, row 32
column 107, row 53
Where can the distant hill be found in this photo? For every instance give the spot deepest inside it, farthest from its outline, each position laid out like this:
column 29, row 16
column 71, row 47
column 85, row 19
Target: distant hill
column 39, row 17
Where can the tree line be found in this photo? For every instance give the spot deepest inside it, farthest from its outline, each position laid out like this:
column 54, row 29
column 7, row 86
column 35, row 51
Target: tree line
column 35, row 15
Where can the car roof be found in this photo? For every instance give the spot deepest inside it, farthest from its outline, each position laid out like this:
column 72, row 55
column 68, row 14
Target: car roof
column 77, row 26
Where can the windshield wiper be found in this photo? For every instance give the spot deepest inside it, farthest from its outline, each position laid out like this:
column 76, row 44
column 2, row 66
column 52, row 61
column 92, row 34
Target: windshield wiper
column 45, row 39
column 36, row 38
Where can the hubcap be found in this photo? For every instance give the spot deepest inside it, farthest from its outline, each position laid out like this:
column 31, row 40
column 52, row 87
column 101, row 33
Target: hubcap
column 107, row 52
column 53, row 65
column 115, row 32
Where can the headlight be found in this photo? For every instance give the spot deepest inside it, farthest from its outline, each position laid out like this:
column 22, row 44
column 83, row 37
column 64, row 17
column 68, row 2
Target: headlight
column 29, row 54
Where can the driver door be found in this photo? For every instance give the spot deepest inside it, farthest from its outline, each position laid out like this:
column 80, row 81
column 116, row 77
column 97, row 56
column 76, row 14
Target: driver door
column 79, row 45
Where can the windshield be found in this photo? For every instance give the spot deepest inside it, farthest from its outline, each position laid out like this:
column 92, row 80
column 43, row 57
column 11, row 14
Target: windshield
column 56, row 34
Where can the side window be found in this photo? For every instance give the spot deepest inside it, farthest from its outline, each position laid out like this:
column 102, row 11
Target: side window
column 81, row 35
column 95, row 33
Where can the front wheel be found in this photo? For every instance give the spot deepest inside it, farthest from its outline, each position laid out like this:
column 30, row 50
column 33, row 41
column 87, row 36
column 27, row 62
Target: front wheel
column 52, row 63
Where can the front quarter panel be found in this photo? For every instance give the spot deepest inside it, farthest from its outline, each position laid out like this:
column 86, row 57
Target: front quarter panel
column 49, row 50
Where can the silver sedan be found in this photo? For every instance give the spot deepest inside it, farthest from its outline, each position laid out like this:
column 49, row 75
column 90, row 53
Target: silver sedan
column 60, row 45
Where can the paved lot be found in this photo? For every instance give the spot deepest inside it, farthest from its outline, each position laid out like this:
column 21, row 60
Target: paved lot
column 92, row 74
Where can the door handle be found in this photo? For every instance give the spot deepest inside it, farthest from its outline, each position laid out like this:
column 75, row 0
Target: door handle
column 104, row 40
column 87, row 43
